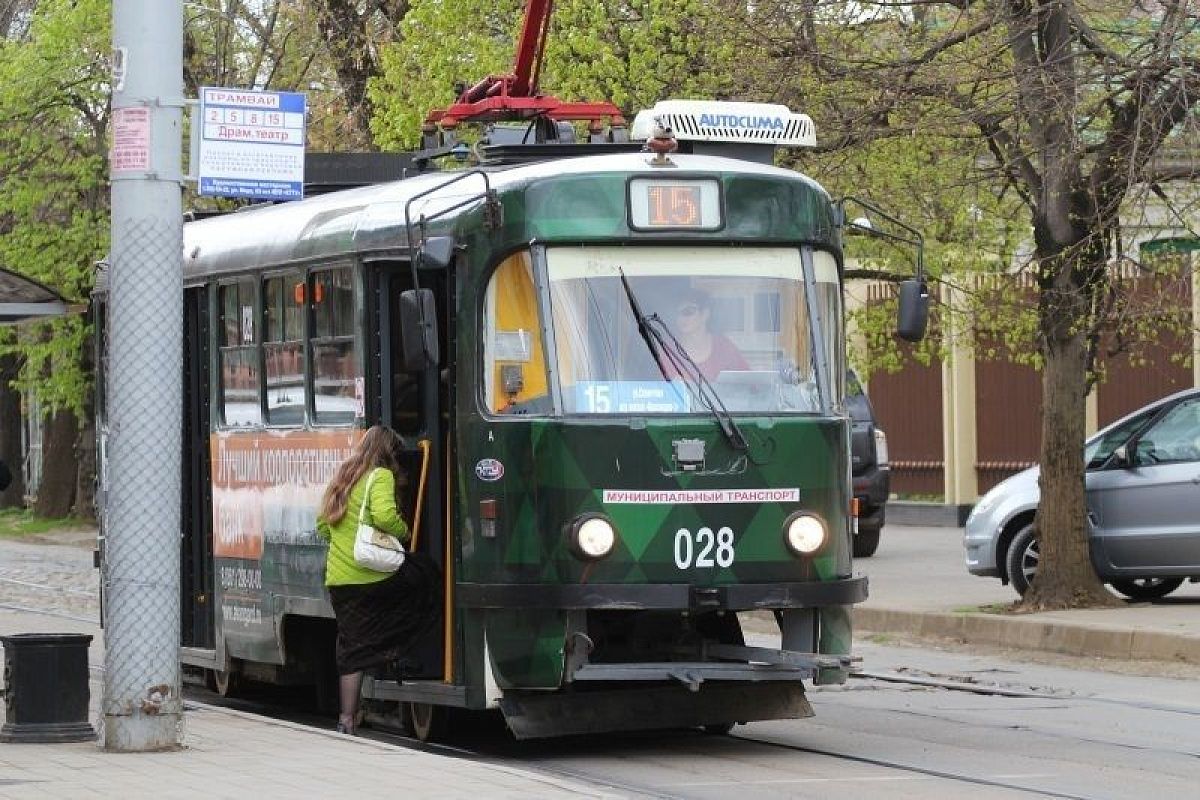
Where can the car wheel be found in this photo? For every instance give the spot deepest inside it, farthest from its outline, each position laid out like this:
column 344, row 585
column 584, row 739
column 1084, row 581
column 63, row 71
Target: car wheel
column 1147, row 588
column 1022, row 559
column 866, row 542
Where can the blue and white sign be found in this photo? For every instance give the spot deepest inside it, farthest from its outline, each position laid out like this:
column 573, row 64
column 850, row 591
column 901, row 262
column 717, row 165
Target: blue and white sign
column 631, row 397
column 252, row 144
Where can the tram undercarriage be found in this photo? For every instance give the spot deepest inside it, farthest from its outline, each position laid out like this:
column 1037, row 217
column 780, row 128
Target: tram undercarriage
column 642, row 670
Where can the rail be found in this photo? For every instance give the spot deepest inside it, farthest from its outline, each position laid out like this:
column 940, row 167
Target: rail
column 426, row 449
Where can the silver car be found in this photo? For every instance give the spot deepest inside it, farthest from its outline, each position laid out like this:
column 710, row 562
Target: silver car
column 1143, row 505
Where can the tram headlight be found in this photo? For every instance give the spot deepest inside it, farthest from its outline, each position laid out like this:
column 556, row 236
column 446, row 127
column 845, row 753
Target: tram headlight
column 804, row 533
column 592, row 536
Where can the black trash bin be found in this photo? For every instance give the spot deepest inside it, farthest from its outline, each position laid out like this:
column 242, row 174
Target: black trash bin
column 46, row 689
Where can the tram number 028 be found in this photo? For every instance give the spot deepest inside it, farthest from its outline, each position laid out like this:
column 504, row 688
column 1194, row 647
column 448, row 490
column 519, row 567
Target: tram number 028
column 704, row 549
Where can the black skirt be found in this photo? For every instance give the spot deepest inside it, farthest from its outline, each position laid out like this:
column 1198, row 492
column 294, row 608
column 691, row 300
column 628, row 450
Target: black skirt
column 380, row 623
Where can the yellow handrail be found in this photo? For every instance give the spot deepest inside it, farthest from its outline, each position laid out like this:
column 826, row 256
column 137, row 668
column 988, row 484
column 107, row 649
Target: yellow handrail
column 425, row 448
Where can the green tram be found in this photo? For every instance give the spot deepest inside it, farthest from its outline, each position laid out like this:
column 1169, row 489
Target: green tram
column 605, row 483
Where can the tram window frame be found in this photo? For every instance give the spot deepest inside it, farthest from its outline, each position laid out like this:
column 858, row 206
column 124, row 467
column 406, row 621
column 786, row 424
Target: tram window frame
column 832, row 330
column 293, row 277
column 351, row 326
column 255, row 346
column 540, row 406
column 809, row 401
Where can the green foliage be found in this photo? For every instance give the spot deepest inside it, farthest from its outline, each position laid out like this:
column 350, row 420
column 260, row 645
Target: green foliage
column 54, row 189
column 441, row 41
column 638, row 52
column 17, row 522
column 632, row 53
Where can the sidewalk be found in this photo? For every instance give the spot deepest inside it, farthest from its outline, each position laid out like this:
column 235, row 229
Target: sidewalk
column 236, row 755
column 920, row 586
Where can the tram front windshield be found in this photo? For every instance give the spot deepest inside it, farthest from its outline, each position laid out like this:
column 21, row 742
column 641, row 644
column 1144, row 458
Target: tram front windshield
column 723, row 321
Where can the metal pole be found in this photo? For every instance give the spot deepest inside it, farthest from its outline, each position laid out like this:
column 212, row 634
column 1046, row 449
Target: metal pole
column 142, row 707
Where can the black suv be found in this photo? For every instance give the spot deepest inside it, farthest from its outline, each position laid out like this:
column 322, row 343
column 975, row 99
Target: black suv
column 869, row 463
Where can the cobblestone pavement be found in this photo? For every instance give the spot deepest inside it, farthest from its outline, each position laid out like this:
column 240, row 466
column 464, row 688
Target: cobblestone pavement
column 53, row 575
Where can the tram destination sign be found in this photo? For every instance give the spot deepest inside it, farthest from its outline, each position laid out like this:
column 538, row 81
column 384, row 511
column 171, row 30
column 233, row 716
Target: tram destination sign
column 251, row 144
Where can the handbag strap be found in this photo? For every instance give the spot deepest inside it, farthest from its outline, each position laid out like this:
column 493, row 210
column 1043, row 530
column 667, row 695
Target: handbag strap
column 366, row 496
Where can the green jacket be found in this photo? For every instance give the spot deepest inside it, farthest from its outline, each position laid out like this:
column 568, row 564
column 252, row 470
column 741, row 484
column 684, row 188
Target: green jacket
column 340, row 567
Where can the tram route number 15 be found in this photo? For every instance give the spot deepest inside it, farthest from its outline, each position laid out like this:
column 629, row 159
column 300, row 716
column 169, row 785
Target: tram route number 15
column 704, row 549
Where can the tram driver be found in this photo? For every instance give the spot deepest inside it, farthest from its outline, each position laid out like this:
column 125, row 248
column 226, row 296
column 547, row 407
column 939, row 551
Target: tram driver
column 691, row 322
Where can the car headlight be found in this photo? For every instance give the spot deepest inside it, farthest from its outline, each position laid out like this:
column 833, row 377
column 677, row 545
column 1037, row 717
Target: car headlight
column 804, row 533
column 985, row 505
column 592, row 536
column 881, row 453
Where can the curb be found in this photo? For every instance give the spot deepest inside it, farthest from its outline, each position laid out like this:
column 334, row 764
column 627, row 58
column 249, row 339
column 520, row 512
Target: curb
column 934, row 515
column 1030, row 633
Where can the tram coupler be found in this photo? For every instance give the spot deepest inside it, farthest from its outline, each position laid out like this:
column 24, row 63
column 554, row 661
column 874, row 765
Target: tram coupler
column 578, row 650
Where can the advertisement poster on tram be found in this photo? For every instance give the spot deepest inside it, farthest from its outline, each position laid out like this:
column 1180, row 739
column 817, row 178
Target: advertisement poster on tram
column 266, row 491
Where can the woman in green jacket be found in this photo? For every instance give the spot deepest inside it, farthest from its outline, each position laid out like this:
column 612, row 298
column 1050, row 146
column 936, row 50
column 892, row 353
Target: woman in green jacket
column 379, row 614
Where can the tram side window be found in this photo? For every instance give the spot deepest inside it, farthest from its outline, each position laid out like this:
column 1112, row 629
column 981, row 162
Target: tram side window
column 283, row 348
column 514, row 360
column 239, row 355
column 337, row 394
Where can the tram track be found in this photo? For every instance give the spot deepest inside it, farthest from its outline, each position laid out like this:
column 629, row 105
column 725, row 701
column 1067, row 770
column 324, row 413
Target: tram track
column 49, row 613
column 43, row 587
column 667, row 793
column 926, row 680
column 514, row 754
column 501, row 755
column 511, row 753
column 994, row 690
column 911, row 768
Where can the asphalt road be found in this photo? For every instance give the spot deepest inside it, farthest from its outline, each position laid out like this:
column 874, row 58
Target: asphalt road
column 1066, row 733
column 926, row 723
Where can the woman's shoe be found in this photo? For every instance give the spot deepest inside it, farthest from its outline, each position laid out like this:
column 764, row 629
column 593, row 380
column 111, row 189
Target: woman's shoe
column 343, row 728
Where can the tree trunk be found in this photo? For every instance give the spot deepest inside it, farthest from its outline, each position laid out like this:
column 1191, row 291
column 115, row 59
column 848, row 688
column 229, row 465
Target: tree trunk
column 85, row 447
column 56, row 493
column 344, row 28
column 1065, row 577
column 11, row 452
column 85, row 475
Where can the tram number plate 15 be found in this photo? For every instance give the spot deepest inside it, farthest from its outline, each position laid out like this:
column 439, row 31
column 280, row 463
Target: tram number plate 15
column 704, row 549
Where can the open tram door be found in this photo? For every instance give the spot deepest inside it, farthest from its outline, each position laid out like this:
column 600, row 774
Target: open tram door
column 406, row 312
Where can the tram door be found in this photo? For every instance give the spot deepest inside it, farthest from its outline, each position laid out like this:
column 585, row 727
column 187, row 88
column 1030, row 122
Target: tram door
column 196, row 575
column 416, row 405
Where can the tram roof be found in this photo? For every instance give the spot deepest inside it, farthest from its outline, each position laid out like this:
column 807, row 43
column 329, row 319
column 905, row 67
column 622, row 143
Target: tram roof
column 371, row 219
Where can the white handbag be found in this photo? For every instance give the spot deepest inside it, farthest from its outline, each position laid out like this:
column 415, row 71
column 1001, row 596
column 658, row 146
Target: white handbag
column 373, row 548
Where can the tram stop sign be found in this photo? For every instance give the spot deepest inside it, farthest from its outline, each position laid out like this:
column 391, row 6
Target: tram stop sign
column 251, row 144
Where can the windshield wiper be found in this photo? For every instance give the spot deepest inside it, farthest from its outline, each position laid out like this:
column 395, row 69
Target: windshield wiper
column 649, row 327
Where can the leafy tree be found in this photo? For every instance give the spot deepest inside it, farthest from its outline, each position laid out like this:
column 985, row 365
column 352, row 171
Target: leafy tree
column 54, row 207
column 268, row 45
column 354, row 31
column 1066, row 107
column 632, row 53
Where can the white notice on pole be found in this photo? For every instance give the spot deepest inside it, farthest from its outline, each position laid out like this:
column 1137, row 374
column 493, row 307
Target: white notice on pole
column 131, row 140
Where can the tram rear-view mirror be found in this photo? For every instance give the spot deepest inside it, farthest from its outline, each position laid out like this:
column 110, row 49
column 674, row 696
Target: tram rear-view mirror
column 418, row 329
column 436, row 252
column 913, row 314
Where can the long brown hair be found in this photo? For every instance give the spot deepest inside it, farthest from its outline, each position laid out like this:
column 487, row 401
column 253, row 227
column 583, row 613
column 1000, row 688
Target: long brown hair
column 378, row 447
